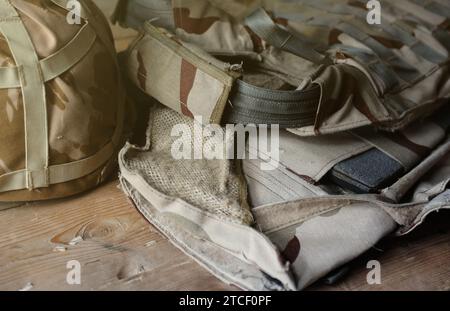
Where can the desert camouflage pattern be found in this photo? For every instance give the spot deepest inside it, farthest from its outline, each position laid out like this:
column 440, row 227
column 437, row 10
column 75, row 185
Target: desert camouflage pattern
column 82, row 102
column 313, row 157
column 184, row 73
column 317, row 231
column 292, row 230
column 288, row 227
column 384, row 75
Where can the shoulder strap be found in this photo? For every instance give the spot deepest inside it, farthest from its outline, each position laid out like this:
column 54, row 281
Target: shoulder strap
column 261, row 24
column 288, row 109
column 33, row 93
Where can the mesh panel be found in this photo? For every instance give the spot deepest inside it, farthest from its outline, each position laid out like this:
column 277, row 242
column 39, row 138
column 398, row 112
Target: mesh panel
column 211, row 185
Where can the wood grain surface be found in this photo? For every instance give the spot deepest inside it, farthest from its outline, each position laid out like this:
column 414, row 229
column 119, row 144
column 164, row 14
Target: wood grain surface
column 115, row 245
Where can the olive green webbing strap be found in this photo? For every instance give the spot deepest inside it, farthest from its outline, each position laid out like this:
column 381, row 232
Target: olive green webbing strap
column 87, row 9
column 73, row 170
column 288, row 109
column 50, row 68
column 55, row 64
column 263, row 25
column 69, row 55
column 33, row 94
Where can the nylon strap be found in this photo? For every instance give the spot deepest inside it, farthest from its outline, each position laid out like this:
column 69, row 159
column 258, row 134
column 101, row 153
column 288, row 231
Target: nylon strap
column 57, row 63
column 261, row 24
column 89, row 9
column 288, row 109
column 60, row 173
column 33, row 93
column 389, row 27
column 73, row 170
column 61, row 61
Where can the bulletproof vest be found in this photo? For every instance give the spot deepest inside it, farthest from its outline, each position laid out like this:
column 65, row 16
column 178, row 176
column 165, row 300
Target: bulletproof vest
column 364, row 145
column 61, row 98
column 315, row 66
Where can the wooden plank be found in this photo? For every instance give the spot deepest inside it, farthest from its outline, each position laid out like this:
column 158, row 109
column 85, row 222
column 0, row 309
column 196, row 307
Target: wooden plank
column 118, row 249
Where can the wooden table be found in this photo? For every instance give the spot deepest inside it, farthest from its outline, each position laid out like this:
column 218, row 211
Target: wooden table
column 120, row 250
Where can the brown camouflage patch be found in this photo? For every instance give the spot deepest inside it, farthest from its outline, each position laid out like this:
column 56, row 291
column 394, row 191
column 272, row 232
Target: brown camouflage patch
column 389, row 43
column 348, row 90
column 292, row 250
column 357, row 4
column 281, row 21
column 304, row 177
column 402, row 140
column 12, row 157
column 359, row 102
column 142, row 72
column 6, row 57
column 59, row 157
column 445, row 25
column 362, row 107
column 60, row 98
column 333, row 37
column 258, row 46
column 188, row 72
column 192, row 25
column 70, row 79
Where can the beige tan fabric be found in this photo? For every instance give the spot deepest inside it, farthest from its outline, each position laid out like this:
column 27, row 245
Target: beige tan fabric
column 183, row 75
column 296, row 232
column 409, row 146
column 208, row 196
column 313, row 157
column 295, row 227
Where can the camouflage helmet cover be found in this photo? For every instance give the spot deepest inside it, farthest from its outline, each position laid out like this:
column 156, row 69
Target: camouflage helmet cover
column 61, row 99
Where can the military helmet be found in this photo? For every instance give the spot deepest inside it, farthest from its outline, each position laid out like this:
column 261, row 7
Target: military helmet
column 61, row 99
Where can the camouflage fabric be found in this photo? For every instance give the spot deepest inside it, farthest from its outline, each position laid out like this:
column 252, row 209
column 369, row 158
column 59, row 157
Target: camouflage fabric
column 296, row 230
column 384, row 75
column 295, row 226
column 80, row 121
column 181, row 84
column 313, row 157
